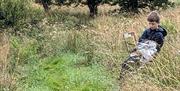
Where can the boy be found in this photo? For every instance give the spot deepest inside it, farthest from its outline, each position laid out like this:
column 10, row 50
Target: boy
column 155, row 32
column 146, row 49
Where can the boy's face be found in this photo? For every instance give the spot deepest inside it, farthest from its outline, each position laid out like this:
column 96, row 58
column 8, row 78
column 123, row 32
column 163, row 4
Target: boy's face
column 153, row 25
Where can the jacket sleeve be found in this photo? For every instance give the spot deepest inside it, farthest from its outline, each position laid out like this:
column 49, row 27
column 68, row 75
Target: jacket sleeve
column 159, row 39
column 143, row 36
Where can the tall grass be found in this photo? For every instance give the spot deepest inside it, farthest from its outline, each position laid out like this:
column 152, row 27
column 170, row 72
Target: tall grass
column 65, row 73
column 67, row 50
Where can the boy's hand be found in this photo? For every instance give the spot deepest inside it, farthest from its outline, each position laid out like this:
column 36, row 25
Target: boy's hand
column 133, row 50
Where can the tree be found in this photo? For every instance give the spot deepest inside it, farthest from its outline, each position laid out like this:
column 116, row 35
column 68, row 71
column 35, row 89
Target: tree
column 45, row 4
column 125, row 5
column 135, row 5
column 93, row 4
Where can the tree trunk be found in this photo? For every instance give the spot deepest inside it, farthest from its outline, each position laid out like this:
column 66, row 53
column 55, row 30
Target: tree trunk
column 45, row 4
column 92, row 4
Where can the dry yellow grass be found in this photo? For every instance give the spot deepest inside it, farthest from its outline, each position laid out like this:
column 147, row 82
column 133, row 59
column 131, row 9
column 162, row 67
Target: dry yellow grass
column 4, row 51
column 135, row 84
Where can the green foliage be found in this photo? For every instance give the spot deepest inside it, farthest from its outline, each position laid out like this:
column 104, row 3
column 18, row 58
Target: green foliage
column 135, row 5
column 64, row 73
column 20, row 16
column 24, row 50
column 68, row 2
column 16, row 12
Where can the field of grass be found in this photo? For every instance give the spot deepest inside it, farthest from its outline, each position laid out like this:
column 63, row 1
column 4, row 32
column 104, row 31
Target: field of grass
column 66, row 50
column 65, row 73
